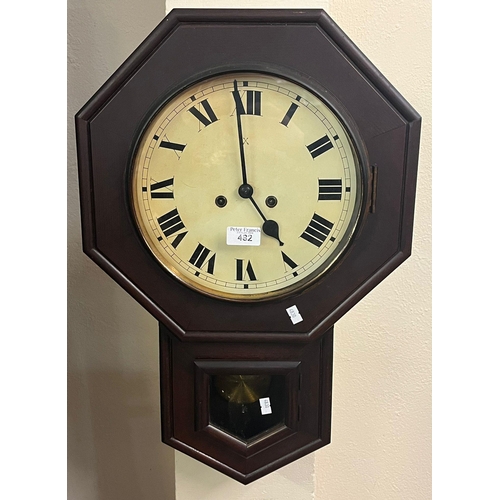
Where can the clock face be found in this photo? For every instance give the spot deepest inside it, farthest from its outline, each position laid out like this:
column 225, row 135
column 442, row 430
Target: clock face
column 246, row 186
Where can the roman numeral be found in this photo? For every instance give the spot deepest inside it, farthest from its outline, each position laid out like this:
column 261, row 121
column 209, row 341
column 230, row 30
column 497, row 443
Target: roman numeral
column 155, row 193
column 172, row 145
column 291, row 110
column 320, row 146
column 329, row 189
column 317, row 230
column 210, row 115
column 287, row 261
column 171, row 223
column 200, row 256
column 178, row 239
column 253, row 102
column 243, row 273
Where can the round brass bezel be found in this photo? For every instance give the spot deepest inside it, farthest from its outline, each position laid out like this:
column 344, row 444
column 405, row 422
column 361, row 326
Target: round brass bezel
column 340, row 249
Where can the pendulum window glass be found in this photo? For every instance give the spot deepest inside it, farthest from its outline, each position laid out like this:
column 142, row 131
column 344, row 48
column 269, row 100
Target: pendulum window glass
column 247, row 406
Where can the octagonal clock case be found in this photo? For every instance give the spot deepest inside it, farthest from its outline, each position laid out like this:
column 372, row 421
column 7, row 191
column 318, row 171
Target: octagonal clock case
column 247, row 176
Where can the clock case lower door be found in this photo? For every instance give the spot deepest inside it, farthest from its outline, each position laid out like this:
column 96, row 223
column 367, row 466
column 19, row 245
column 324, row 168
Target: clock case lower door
column 245, row 408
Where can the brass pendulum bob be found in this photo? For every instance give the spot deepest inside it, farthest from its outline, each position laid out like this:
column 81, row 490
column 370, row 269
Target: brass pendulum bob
column 242, row 389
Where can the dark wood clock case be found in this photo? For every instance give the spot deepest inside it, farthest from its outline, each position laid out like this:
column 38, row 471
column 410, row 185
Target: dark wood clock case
column 202, row 337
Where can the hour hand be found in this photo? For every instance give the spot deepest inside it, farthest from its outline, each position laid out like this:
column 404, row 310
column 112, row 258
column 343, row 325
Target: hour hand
column 271, row 228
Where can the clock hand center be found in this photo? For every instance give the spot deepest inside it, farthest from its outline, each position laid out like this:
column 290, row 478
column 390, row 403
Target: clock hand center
column 245, row 191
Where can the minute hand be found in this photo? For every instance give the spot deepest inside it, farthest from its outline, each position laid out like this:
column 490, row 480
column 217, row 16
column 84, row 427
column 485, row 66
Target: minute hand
column 239, row 108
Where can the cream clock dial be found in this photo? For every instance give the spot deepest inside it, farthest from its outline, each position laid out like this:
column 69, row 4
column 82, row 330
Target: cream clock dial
column 246, row 186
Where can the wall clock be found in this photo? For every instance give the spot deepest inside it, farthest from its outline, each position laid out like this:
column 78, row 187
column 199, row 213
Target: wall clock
column 248, row 176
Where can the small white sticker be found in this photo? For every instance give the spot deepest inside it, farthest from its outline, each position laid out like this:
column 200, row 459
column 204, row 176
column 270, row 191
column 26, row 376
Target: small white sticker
column 265, row 406
column 294, row 314
column 248, row 236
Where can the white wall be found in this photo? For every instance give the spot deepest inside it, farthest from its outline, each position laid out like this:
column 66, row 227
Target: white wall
column 381, row 428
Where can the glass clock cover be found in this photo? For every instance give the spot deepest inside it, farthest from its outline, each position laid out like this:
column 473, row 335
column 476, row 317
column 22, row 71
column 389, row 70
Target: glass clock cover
column 246, row 186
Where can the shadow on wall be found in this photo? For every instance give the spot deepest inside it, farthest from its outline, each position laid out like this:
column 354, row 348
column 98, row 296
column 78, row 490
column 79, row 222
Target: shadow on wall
column 126, row 456
column 114, row 434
